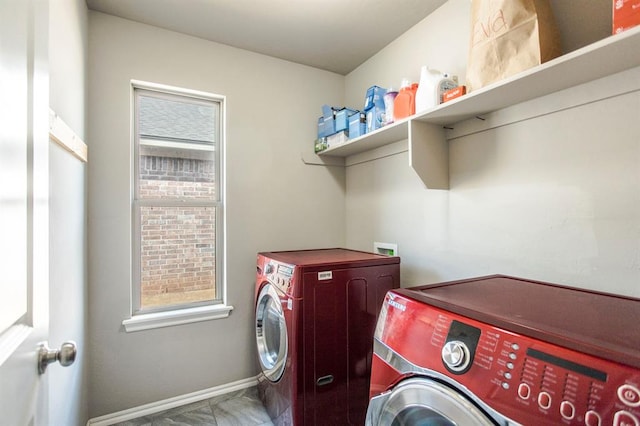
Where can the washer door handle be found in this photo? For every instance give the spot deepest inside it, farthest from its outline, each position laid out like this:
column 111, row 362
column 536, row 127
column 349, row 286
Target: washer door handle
column 324, row 380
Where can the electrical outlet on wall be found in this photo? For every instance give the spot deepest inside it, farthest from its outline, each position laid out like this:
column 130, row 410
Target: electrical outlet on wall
column 387, row 249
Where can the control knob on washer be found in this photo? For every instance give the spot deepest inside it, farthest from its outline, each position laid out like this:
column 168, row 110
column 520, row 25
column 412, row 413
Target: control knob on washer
column 268, row 268
column 455, row 355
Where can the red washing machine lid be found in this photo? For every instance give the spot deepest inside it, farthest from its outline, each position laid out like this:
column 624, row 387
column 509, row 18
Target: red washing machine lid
column 599, row 324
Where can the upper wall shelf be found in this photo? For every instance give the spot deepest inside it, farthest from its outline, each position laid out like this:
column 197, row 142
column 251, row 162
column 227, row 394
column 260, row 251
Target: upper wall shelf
column 384, row 136
column 609, row 56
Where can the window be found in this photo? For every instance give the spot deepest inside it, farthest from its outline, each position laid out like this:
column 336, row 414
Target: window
column 177, row 206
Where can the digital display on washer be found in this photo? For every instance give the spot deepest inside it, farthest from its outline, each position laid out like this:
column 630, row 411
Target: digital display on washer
column 568, row 365
column 285, row 270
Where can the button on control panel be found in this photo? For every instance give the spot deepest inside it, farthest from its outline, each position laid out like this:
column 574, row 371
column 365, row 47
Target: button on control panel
column 544, row 400
column 592, row 418
column 629, row 395
column 524, row 391
column 567, row 410
column 625, row 418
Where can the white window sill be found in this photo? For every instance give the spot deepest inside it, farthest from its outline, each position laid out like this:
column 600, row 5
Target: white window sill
column 177, row 317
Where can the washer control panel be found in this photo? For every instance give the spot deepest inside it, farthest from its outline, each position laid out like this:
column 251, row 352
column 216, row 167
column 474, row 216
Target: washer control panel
column 527, row 380
column 279, row 274
column 550, row 382
column 564, row 387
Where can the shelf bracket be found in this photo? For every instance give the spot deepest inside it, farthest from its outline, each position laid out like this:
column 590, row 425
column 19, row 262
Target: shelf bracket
column 312, row 159
column 429, row 154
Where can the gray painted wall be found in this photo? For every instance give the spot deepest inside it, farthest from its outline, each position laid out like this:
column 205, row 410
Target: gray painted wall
column 274, row 202
column 552, row 198
column 68, row 39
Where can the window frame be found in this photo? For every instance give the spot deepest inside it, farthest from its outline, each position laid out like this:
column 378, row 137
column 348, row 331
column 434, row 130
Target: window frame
column 141, row 319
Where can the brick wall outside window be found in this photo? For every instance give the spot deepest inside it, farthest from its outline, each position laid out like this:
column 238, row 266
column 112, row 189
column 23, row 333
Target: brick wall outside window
column 177, row 243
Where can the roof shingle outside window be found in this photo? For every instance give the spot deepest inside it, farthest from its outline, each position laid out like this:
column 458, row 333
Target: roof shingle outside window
column 164, row 119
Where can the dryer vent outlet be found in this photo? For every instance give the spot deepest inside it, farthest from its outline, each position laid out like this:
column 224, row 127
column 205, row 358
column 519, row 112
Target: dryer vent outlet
column 387, row 249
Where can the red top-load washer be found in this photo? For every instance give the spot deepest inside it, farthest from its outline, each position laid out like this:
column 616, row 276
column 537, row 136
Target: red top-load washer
column 504, row 350
column 316, row 311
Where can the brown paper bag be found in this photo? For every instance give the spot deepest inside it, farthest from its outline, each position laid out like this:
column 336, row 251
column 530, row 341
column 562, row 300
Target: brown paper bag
column 507, row 37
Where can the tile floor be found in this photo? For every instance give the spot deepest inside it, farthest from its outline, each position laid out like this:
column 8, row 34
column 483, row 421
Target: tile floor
column 240, row 408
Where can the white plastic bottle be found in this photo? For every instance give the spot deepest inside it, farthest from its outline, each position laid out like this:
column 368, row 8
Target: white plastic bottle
column 426, row 96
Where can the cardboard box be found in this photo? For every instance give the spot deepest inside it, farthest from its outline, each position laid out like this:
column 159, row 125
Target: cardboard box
column 375, row 118
column 337, row 139
column 625, row 23
column 374, row 97
column 342, row 119
column 326, row 127
column 626, row 15
column 326, row 123
column 357, row 124
column 329, row 111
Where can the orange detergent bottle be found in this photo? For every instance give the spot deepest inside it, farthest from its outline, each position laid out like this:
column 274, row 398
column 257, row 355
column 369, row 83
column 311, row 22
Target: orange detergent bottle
column 405, row 103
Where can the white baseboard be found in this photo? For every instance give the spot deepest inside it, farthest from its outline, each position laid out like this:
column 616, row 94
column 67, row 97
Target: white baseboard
column 177, row 401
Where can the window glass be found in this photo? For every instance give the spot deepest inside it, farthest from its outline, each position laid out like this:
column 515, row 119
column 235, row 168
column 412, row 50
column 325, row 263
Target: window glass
column 177, row 201
column 176, row 153
column 177, row 255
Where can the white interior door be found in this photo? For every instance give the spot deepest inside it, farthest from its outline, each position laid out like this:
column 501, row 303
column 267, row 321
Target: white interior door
column 24, row 216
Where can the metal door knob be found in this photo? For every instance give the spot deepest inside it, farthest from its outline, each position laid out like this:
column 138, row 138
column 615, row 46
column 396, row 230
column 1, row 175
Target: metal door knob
column 66, row 355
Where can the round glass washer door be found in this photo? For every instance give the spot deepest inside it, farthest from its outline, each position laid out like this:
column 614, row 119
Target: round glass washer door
column 422, row 402
column 271, row 333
